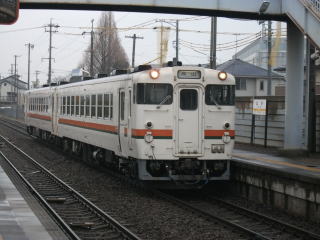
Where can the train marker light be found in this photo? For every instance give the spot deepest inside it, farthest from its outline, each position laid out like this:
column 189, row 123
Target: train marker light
column 154, row 74
column 222, row 76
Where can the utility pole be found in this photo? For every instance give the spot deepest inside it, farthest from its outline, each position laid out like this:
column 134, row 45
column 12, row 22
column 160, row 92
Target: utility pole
column 213, row 43
column 91, row 49
column 50, row 26
column 12, row 69
column 37, row 79
column 269, row 58
column 16, row 84
column 177, row 40
column 30, row 46
column 15, row 77
column 134, row 37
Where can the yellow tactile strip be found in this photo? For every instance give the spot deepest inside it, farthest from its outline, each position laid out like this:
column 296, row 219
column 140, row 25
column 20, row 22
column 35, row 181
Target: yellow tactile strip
column 263, row 159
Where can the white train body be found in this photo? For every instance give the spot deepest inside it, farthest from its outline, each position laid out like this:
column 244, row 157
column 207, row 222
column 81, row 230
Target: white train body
column 168, row 124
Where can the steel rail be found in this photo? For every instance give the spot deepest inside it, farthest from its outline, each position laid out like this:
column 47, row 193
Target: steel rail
column 205, row 214
column 110, row 220
column 260, row 216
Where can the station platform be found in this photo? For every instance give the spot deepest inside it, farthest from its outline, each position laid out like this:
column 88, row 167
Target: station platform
column 272, row 159
column 19, row 219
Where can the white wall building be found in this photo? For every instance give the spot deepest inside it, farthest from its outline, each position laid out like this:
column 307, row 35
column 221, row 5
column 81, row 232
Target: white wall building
column 8, row 89
column 250, row 79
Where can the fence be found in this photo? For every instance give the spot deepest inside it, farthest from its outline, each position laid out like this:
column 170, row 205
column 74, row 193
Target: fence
column 8, row 99
column 314, row 5
column 276, row 123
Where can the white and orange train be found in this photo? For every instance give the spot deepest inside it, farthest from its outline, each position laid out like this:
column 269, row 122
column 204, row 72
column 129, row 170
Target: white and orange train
column 160, row 125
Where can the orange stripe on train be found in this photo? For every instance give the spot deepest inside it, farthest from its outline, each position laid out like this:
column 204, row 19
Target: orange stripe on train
column 90, row 125
column 39, row 116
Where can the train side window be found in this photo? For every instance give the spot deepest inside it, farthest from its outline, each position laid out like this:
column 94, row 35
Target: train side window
column 111, row 105
column 68, row 105
column 72, row 105
column 87, row 105
column 93, row 105
column 130, row 103
column 82, row 101
column 99, row 106
column 77, row 105
column 122, row 105
column 106, row 105
column 64, row 105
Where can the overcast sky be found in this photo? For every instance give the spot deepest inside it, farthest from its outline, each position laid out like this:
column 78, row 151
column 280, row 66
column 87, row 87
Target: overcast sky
column 69, row 44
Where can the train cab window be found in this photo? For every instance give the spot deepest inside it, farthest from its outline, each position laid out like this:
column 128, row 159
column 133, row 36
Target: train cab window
column 220, row 95
column 99, row 106
column 154, row 93
column 87, row 105
column 77, row 105
column 188, row 99
column 68, row 105
column 82, row 102
column 93, row 105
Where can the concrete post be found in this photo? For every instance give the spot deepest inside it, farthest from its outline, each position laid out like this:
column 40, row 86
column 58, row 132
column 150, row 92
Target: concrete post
column 293, row 139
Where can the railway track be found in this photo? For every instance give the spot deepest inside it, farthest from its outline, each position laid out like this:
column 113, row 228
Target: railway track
column 247, row 223
column 251, row 223
column 75, row 214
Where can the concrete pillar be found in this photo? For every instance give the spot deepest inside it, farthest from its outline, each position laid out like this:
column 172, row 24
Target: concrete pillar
column 293, row 139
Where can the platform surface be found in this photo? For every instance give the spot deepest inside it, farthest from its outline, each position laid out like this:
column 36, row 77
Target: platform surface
column 17, row 219
column 304, row 166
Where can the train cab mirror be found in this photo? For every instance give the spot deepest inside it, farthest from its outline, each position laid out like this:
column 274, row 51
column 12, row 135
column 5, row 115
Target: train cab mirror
column 9, row 11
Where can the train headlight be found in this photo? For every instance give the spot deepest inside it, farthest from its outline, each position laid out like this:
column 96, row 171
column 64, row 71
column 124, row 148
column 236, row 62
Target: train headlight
column 149, row 125
column 226, row 125
column 148, row 138
column 222, row 76
column 154, row 74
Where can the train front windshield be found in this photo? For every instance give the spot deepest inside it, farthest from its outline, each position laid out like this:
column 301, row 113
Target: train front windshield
column 220, row 95
column 154, row 93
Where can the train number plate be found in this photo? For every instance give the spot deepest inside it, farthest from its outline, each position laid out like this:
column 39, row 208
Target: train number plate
column 189, row 74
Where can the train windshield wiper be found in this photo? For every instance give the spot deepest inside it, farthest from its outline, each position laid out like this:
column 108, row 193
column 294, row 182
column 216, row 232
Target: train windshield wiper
column 164, row 101
column 216, row 103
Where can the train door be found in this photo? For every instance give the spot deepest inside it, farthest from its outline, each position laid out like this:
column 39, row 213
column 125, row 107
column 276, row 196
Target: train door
column 122, row 122
column 129, row 135
column 189, row 128
column 54, row 111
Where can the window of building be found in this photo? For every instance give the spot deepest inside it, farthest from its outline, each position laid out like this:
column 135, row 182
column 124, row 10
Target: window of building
column 241, row 84
column 87, row 102
column 99, row 106
column 261, row 85
column 93, row 105
column 82, row 104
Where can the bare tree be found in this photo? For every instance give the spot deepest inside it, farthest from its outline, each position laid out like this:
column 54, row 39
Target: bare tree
column 108, row 53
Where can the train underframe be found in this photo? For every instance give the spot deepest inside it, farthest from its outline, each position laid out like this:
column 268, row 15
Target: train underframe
column 184, row 171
